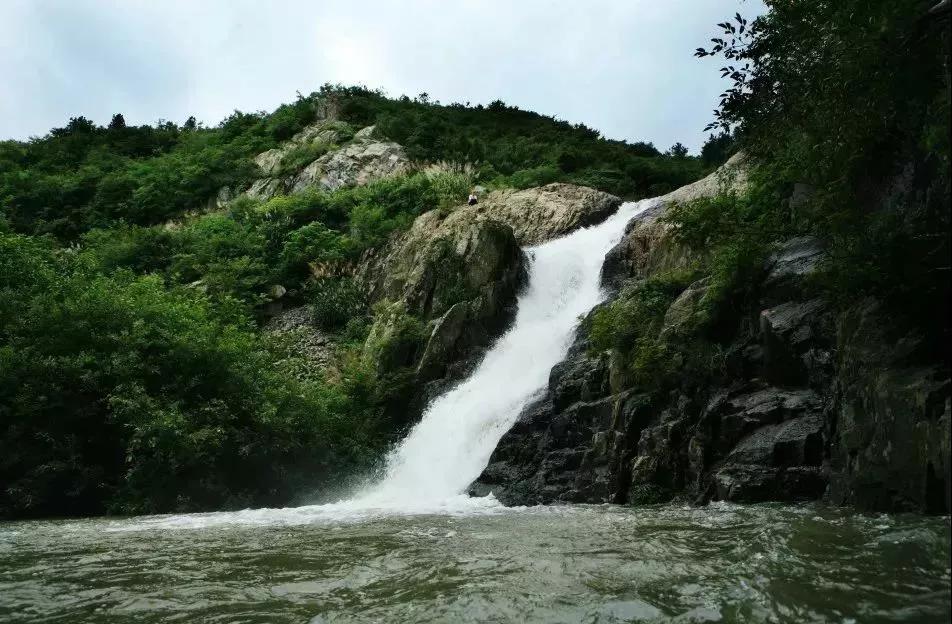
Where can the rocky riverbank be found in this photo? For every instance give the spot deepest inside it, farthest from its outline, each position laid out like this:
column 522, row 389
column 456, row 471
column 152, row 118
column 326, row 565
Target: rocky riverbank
column 800, row 401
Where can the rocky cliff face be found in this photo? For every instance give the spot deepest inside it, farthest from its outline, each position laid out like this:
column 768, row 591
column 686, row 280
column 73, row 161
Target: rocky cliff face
column 799, row 402
column 459, row 273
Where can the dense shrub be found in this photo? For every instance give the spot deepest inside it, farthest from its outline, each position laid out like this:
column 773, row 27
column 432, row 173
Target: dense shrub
column 631, row 325
column 119, row 394
column 852, row 99
column 84, row 176
column 337, row 302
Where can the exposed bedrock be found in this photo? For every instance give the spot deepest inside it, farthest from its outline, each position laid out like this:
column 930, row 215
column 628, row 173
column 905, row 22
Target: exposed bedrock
column 808, row 402
column 447, row 287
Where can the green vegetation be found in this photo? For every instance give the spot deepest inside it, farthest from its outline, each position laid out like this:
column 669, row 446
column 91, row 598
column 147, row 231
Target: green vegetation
column 849, row 103
column 851, row 100
column 632, row 324
column 120, row 394
column 512, row 147
column 134, row 376
column 84, row 176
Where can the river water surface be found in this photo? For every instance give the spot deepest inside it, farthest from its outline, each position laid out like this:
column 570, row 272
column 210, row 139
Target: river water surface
column 721, row 563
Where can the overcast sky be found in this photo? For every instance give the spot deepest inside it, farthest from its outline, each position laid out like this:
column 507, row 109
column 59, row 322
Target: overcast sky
column 624, row 67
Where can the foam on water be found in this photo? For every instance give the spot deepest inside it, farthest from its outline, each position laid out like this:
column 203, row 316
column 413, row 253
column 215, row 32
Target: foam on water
column 431, row 469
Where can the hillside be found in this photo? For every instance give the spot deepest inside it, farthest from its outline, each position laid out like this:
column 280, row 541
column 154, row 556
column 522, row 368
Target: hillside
column 181, row 324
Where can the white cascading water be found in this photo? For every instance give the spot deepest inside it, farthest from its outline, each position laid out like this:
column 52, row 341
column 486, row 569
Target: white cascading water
column 459, row 430
column 446, row 451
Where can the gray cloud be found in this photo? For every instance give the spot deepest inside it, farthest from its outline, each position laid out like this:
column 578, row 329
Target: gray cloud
column 624, row 67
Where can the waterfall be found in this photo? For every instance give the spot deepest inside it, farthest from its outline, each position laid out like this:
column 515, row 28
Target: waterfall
column 430, row 470
column 452, row 443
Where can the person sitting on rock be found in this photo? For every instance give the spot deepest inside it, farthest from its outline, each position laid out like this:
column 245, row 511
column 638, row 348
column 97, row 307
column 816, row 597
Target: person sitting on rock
column 472, row 199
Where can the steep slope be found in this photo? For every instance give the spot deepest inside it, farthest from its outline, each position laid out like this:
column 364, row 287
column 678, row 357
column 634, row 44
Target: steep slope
column 791, row 400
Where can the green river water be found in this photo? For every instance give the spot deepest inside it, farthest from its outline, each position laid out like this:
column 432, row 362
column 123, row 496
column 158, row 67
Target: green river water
column 721, row 563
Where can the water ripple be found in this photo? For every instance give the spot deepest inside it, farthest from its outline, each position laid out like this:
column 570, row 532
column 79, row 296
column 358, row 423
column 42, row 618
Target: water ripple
column 722, row 563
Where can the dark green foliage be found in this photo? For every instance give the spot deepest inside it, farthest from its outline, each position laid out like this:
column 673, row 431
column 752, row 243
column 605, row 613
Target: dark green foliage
column 717, row 149
column 731, row 235
column 132, row 375
column 85, row 176
column 142, row 249
column 852, row 98
column 240, row 254
column 678, row 151
column 516, row 147
column 338, row 302
column 118, row 394
column 631, row 325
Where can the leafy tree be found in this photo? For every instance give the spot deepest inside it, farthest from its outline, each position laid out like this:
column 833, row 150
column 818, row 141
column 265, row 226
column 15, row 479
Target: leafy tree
column 678, row 151
column 850, row 98
column 717, row 149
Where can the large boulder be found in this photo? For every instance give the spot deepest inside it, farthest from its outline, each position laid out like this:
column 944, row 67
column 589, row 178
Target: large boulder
column 687, row 311
column 441, row 261
column 459, row 271
column 789, row 267
column 444, row 290
column 394, row 338
column 360, row 162
column 646, row 248
column 795, row 347
column 338, row 158
column 732, row 176
column 781, row 461
column 542, row 213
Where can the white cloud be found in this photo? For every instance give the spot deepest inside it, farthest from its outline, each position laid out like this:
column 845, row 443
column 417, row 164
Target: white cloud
column 622, row 67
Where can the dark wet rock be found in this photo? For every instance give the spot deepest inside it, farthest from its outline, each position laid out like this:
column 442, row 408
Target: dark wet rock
column 580, row 377
column 789, row 266
column 438, row 263
column 891, row 419
column 754, row 484
column 795, row 342
column 801, row 401
column 646, row 248
column 441, row 344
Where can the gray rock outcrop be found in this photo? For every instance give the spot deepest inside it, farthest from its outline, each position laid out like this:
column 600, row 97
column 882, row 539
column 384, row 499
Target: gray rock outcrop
column 360, row 162
column 542, row 213
column 446, row 288
column 297, row 327
column 799, row 401
column 459, row 272
column 327, row 155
